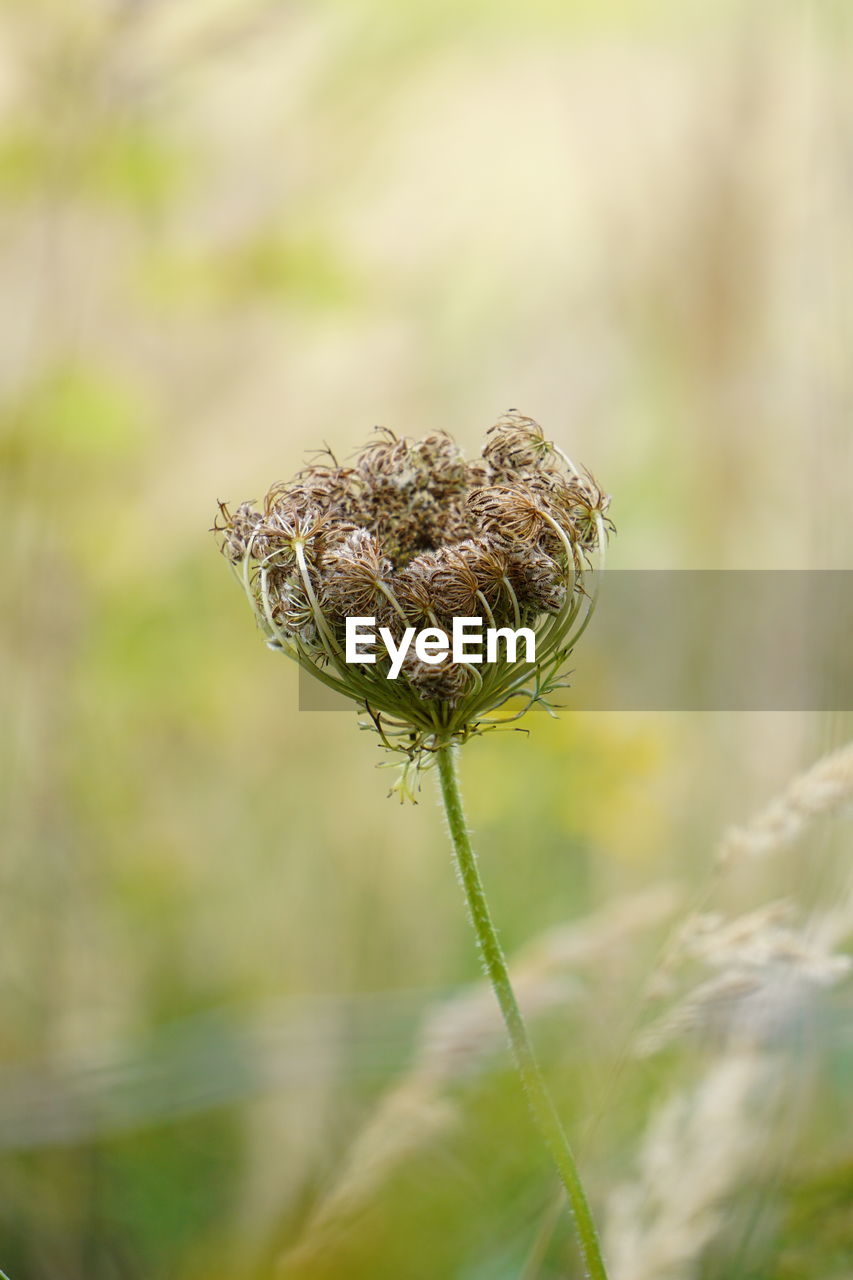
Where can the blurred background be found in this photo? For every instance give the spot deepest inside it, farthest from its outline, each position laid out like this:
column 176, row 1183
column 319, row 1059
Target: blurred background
column 242, row 1031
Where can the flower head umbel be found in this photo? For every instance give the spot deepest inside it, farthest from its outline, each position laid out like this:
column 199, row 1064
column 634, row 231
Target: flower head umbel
column 415, row 535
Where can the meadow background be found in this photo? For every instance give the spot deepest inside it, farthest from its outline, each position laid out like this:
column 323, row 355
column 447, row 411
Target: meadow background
column 241, row 1021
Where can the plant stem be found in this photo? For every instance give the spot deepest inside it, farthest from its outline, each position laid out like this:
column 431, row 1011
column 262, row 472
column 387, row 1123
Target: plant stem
column 541, row 1103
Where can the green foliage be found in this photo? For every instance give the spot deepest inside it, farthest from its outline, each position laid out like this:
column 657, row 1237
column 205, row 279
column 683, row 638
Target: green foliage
column 77, row 413
column 816, row 1233
column 266, row 266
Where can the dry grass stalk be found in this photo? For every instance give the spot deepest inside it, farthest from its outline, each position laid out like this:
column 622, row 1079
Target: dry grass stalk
column 824, row 788
column 697, row 1146
column 765, row 972
column 457, row 1037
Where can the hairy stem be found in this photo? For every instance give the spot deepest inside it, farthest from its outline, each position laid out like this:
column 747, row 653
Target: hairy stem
column 541, row 1103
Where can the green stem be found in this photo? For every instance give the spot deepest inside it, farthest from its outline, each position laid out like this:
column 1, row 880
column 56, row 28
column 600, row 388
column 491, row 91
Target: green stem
column 541, row 1103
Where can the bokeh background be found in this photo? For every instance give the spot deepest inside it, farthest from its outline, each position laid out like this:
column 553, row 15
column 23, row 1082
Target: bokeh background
column 242, row 1029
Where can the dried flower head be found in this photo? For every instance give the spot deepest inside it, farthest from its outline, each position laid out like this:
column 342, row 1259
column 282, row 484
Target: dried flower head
column 415, row 535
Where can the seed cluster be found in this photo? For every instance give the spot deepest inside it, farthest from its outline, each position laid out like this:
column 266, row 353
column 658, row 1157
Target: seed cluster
column 414, row 534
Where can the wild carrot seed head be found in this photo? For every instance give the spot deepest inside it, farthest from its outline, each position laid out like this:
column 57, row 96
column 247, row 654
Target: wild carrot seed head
column 414, row 534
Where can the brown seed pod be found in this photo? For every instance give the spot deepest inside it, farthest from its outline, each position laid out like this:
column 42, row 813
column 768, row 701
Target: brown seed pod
column 539, row 582
column 580, row 505
column 355, row 583
column 240, row 531
column 508, row 513
column 292, row 610
column 516, row 445
column 444, row 681
column 412, row 588
column 490, row 565
column 446, row 581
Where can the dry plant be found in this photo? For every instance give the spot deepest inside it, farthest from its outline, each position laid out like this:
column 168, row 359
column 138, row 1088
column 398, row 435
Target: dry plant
column 414, row 533
column 698, row 1144
column 763, row 970
column 457, row 1037
column 759, row 975
column 822, row 789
